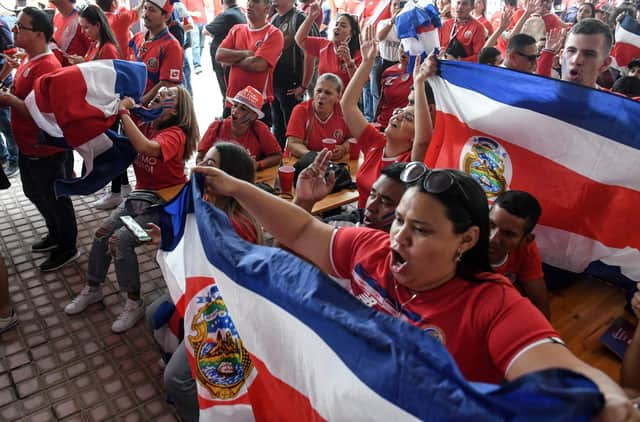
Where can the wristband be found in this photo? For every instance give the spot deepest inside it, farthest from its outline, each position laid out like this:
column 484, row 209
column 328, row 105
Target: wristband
column 124, row 112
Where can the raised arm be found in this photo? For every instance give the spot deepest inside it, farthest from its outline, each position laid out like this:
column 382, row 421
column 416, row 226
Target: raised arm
column 352, row 115
column 530, row 6
column 505, row 20
column 303, row 31
column 291, row 225
column 141, row 143
column 423, row 124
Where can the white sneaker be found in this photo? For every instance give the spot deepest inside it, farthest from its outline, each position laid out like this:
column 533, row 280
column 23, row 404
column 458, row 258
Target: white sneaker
column 125, row 190
column 132, row 313
column 88, row 296
column 108, row 201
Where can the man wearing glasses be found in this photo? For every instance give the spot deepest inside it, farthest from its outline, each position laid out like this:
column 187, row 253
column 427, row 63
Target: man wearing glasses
column 40, row 165
column 522, row 53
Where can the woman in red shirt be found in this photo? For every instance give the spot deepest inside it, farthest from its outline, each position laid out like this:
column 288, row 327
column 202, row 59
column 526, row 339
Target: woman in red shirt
column 103, row 43
column 396, row 85
column 163, row 146
column 319, row 118
column 341, row 55
column 479, row 13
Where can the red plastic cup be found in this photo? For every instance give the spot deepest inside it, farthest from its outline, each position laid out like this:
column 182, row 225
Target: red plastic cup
column 354, row 149
column 285, row 173
column 329, row 143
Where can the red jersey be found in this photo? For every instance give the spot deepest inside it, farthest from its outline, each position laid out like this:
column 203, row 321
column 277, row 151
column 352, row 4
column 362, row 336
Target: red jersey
column 245, row 227
column 107, row 51
column 551, row 21
column 333, row 127
column 257, row 140
column 487, row 25
column 267, row 42
column 328, row 61
column 372, row 144
column 396, row 86
column 484, row 325
column 69, row 35
column 524, row 264
column 197, row 6
column 370, row 10
column 24, row 128
column 162, row 55
column 155, row 173
column 120, row 23
column 471, row 34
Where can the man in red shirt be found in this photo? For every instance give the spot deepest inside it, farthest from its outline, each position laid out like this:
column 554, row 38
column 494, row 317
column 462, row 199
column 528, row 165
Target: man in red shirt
column 40, row 165
column 121, row 20
column 157, row 49
column 252, row 50
column 468, row 33
column 512, row 247
column 66, row 30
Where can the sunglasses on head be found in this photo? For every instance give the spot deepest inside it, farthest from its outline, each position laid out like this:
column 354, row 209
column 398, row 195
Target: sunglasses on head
column 433, row 181
column 531, row 58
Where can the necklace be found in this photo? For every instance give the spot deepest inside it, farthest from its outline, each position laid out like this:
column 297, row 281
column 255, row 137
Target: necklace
column 400, row 302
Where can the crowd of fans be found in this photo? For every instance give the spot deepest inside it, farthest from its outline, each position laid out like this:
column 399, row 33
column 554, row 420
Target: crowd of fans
column 428, row 243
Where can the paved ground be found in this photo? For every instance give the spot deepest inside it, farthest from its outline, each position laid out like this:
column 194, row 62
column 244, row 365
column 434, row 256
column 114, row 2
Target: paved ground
column 55, row 367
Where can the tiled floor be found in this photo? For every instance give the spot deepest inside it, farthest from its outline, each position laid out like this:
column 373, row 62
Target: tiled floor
column 56, row 367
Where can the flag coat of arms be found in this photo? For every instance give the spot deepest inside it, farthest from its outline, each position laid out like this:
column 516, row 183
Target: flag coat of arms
column 575, row 149
column 270, row 337
column 75, row 107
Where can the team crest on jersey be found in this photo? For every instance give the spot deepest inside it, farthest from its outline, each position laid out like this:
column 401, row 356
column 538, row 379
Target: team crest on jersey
column 337, row 134
column 174, row 74
column 223, row 364
column 152, row 64
column 467, row 34
column 488, row 163
column 436, row 333
column 258, row 43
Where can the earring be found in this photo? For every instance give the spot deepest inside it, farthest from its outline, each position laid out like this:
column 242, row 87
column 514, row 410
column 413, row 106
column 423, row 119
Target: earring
column 458, row 257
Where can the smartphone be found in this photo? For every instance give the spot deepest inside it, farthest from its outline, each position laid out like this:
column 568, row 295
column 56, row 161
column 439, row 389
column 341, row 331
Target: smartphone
column 135, row 228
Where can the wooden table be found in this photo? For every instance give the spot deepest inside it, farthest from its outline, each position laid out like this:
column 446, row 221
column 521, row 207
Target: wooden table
column 331, row 201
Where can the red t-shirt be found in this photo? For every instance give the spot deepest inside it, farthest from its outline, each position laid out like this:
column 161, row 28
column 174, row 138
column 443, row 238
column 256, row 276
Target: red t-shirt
column 196, row 6
column 24, row 128
column 244, row 226
column 258, row 140
column 334, row 127
column 471, row 34
column 485, row 22
column 483, row 325
column 69, row 35
column 108, row 51
column 372, row 144
column 551, row 21
column 162, row 55
column 368, row 10
column 155, row 173
column 396, row 86
column 120, row 23
column 267, row 42
column 328, row 61
column 524, row 264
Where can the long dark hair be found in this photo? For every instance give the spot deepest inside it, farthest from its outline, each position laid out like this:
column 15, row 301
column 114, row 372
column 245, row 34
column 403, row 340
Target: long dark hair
column 354, row 42
column 94, row 15
column 465, row 212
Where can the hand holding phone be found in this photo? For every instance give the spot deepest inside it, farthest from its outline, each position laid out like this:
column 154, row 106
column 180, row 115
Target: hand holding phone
column 135, row 228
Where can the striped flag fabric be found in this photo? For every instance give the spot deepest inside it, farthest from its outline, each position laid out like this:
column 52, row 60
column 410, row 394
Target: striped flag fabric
column 270, row 337
column 575, row 149
column 627, row 46
column 75, row 107
column 417, row 25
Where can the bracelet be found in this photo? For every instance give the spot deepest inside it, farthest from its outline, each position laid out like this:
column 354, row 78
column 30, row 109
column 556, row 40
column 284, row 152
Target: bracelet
column 124, row 112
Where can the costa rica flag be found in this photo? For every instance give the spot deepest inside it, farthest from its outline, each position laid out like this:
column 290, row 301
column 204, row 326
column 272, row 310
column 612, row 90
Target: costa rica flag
column 627, row 46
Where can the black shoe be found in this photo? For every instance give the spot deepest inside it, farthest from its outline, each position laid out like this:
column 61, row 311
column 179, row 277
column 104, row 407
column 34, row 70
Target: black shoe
column 10, row 169
column 45, row 245
column 59, row 259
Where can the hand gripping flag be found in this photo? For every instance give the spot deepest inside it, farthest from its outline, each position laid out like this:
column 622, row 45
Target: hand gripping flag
column 270, row 337
column 575, row 149
column 417, row 25
column 627, row 46
column 76, row 105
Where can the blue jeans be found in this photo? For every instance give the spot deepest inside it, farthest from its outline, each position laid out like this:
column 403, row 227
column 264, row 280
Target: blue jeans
column 186, row 75
column 8, row 148
column 197, row 44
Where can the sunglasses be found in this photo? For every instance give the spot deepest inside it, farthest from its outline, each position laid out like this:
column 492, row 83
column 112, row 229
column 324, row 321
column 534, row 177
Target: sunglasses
column 433, row 181
column 532, row 58
column 407, row 115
